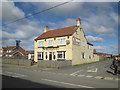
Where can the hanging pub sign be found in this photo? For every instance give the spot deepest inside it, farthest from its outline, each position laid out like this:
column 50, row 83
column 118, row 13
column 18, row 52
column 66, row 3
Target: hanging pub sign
column 76, row 41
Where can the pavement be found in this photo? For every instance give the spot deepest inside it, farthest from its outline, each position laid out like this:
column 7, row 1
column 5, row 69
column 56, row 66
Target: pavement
column 88, row 76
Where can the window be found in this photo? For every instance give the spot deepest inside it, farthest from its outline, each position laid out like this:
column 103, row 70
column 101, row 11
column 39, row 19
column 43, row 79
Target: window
column 40, row 55
column 54, row 55
column 41, row 43
column 32, row 56
column 61, row 54
column 91, row 47
column 1, row 51
column 50, row 42
column 89, row 57
column 61, row 42
column 46, row 55
column 10, row 55
column 9, row 51
column 83, row 55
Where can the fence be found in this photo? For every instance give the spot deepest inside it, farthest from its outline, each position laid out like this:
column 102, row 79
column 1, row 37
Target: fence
column 54, row 64
column 24, row 62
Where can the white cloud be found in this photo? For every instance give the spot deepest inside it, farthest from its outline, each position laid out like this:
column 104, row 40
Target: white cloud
column 94, row 39
column 25, row 30
column 0, row 11
column 10, row 12
column 99, row 24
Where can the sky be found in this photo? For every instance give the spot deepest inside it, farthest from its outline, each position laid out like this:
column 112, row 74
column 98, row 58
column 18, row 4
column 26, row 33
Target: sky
column 99, row 21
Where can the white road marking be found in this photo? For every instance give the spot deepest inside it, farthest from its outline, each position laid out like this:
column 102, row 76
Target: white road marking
column 98, row 77
column 80, row 75
column 75, row 73
column 93, row 70
column 108, row 78
column 89, row 76
column 67, row 83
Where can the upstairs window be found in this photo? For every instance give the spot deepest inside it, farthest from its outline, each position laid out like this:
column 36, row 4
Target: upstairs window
column 61, row 42
column 90, row 47
column 50, row 43
column 9, row 51
column 41, row 43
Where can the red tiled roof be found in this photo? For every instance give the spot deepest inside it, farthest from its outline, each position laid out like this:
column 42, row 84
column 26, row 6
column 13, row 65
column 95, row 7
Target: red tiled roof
column 9, row 47
column 58, row 32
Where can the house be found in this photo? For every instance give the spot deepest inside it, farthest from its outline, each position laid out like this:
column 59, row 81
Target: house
column 61, row 44
column 11, row 51
column 30, row 54
column 102, row 55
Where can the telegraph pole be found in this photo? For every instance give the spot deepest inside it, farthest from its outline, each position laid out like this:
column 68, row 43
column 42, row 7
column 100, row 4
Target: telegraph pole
column 18, row 47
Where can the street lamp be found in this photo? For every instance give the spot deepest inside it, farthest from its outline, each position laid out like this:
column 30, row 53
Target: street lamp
column 18, row 47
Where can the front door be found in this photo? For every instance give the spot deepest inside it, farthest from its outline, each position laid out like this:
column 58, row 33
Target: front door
column 50, row 56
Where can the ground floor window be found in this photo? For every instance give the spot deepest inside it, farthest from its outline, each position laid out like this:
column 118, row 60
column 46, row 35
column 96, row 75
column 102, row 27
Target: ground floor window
column 32, row 56
column 61, row 55
column 40, row 55
column 89, row 57
column 83, row 55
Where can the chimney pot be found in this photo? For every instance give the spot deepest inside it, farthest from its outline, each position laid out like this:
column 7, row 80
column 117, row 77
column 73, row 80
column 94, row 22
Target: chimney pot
column 78, row 22
column 46, row 28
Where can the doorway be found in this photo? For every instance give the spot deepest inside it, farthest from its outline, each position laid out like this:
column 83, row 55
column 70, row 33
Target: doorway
column 50, row 56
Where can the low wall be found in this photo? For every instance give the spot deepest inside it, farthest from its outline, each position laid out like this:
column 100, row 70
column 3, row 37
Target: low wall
column 54, row 64
column 86, row 60
column 24, row 62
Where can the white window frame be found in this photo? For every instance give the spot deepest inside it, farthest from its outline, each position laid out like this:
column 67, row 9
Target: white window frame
column 50, row 43
column 10, row 55
column 9, row 51
column 61, row 42
column 41, row 55
column 1, row 51
column 41, row 43
column 62, row 53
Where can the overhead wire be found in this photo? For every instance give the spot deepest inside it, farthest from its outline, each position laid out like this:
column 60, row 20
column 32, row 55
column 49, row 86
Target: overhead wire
column 36, row 13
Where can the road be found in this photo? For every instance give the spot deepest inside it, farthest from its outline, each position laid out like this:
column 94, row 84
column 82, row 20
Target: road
column 87, row 76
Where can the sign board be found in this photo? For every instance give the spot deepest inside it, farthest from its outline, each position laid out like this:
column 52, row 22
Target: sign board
column 76, row 41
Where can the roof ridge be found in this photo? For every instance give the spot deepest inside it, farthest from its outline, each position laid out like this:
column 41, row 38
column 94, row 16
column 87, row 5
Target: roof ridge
column 63, row 28
column 58, row 32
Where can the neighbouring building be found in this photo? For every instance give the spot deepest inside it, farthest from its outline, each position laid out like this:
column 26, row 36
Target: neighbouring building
column 30, row 54
column 102, row 55
column 67, row 43
column 11, row 51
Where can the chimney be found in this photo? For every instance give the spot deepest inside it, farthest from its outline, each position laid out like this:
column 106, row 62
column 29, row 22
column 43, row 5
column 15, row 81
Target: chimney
column 46, row 28
column 78, row 22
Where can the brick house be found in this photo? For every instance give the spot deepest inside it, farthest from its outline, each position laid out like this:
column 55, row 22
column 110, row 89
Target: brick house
column 102, row 55
column 11, row 51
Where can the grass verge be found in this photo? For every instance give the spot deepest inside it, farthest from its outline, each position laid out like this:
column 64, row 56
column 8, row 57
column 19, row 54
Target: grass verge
column 101, row 60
